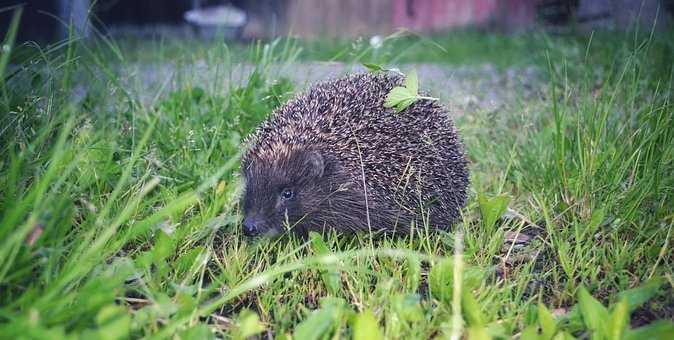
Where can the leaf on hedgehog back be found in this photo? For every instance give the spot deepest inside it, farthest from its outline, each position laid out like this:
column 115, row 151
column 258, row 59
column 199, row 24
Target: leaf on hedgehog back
column 402, row 97
column 373, row 67
column 399, row 99
column 412, row 82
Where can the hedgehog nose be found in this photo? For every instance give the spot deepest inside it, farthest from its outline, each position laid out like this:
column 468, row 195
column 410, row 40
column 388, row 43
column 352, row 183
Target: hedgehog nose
column 251, row 226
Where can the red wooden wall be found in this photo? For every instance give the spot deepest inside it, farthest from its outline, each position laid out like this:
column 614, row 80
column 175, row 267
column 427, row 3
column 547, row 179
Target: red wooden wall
column 369, row 17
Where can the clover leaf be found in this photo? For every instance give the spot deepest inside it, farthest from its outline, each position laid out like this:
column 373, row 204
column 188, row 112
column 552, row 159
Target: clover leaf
column 402, row 97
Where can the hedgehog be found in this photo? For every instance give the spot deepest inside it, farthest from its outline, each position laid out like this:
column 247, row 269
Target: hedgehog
column 335, row 158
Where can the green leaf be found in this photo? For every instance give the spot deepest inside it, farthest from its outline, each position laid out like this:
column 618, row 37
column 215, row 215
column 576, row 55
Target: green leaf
column 186, row 260
column 492, row 208
column 530, row 333
column 113, row 322
column 563, row 336
column 164, row 247
column 546, row 321
column 412, row 82
column 595, row 315
column 330, row 275
column 199, row 331
column 596, row 219
column 320, row 322
column 401, row 97
column 407, row 307
column 618, row 320
column 366, row 327
column 478, row 333
column 658, row 330
column 471, row 309
column 638, row 296
column 413, row 274
column 500, row 329
column 317, row 244
column 248, row 324
column 373, row 67
column 283, row 336
column 405, row 104
column 441, row 279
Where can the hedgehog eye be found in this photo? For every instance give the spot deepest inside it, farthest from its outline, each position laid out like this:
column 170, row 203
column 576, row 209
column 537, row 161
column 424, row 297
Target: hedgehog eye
column 287, row 194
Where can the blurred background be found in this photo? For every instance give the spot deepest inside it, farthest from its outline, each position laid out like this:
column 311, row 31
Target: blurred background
column 119, row 181
column 43, row 20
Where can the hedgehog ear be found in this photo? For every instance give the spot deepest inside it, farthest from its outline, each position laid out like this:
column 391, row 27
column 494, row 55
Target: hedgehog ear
column 315, row 164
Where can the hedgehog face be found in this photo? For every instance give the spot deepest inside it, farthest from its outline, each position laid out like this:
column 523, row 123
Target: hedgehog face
column 281, row 194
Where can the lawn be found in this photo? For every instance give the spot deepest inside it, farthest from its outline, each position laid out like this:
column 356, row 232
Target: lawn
column 119, row 195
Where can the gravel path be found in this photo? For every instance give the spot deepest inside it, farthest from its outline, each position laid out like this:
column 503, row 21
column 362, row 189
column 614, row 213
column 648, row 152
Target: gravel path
column 462, row 88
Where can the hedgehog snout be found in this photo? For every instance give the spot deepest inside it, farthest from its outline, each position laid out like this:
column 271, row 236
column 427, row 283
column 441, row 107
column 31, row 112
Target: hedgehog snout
column 252, row 226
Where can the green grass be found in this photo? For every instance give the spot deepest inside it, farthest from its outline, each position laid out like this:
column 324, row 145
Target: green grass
column 459, row 47
column 120, row 219
column 402, row 47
